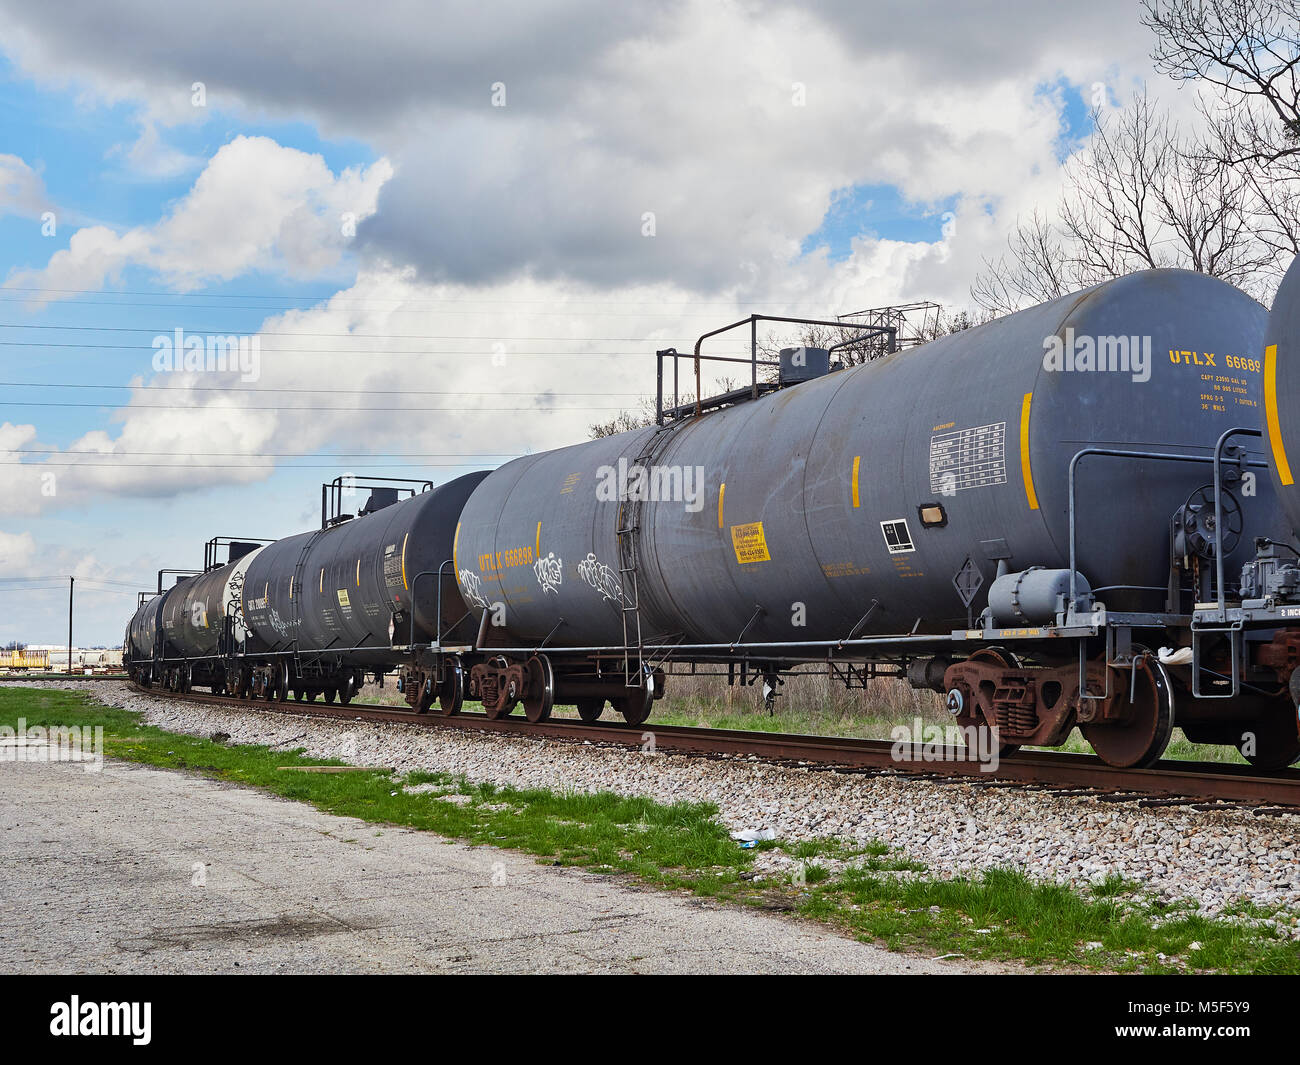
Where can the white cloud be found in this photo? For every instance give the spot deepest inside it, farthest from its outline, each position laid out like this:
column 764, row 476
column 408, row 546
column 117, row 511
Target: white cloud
column 257, row 205
column 683, row 109
column 22, row 190
column 17, row 554
column 151, row 158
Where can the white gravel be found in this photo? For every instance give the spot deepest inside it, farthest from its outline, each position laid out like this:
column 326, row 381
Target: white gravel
column 1215, row 857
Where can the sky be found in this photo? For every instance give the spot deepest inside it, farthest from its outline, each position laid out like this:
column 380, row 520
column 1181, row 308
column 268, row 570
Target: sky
column 454, row 234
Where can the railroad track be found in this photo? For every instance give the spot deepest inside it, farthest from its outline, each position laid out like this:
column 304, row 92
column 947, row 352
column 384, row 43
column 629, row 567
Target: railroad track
column 1167, row 783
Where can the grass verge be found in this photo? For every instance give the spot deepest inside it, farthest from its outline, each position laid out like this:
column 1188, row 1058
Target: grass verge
column 869, row 891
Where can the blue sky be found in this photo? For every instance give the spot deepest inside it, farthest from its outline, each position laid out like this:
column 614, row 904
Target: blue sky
column 79, row 148
column 876, row 211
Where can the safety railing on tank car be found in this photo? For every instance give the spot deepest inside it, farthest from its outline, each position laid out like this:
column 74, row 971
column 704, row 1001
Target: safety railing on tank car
column 176, row 573
column 332, row 493
column 1216, row 462
column 210, row 549
column 440, row 573
column 678, row 409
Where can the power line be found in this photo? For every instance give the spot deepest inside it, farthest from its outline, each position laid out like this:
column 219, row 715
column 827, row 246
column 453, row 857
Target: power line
column 67, row 577
column 143, row 349
column 277, row 454
column 227, row 466
column 494, row 307
column 241, row 389
column 332, row 297
column 305, row 407
column 171, row 329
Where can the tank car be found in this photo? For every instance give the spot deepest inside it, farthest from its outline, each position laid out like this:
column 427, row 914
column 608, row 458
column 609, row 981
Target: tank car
column 146, row 654
column 310, row 614
column 1023, row 516
column 1257, row 630
column 324, row 607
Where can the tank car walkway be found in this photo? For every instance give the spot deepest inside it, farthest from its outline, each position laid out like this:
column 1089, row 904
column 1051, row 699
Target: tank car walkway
column 142, row 870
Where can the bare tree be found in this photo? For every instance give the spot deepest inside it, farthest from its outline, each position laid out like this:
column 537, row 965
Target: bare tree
column 1035, row 269
column 1245, row 54
column 1140, row 195
column 623, row 421
column 1249, row 51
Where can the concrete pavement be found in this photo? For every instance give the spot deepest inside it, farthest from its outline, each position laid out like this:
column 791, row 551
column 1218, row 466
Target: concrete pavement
column 135, row 869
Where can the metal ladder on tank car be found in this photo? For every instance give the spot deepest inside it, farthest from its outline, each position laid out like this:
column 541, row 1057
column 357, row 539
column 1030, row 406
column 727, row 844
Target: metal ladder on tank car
column 296, row 586
column 629, row 542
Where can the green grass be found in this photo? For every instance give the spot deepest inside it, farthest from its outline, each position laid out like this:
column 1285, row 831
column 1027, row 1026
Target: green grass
column 1002, row 914
column 869, row 891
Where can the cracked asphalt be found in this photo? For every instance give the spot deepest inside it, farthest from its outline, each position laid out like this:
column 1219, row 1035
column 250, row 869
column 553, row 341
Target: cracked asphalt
column 139, row 870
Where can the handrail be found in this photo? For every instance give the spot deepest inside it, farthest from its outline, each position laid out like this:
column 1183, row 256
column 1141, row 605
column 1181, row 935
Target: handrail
column 866, row 331
column 1157, row 456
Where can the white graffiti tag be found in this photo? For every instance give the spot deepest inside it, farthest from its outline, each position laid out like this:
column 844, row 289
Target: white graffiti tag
column 602, row 578
column 469, row 586
column 550, row 571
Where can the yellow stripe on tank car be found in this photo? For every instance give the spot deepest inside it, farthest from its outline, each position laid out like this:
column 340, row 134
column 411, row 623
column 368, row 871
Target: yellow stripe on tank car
column 405, row 586
column 321, row 586
column 358, row 573
column 722, row 494
column 455, row 547
column 1025, row 471
column 538, row 545
column 1270, row 410
column 857, row 464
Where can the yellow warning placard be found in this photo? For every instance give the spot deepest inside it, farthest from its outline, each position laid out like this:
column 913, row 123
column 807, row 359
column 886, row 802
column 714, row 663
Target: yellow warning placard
column 750, row 543
column 343, row 597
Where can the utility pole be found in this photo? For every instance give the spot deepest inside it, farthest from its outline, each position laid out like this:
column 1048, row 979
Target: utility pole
column 71, row 582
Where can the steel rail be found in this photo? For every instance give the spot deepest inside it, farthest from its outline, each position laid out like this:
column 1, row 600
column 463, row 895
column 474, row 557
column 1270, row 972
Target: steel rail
column 1193, row 781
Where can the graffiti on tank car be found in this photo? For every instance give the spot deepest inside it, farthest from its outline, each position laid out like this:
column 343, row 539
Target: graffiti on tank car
column 602, row 578
column 236, row 596
column 550, row 572
column 281, row 626
column 471, row 586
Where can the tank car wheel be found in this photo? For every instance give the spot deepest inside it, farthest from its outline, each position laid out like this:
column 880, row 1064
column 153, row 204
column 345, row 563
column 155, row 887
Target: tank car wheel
column 347, row 689
column 511, row 680
column 425, row 694
column 504, row 706
column 451, row 693
column 539, row 696
column 1271, row 740
column 331, row 693
column 1004, row 659
column 591, row 708
column 1139, row 742
column 300, row 694
column 635, row 708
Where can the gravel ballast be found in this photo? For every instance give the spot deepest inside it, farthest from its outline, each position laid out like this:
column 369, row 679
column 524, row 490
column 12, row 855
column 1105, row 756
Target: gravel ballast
column 1217, row 858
